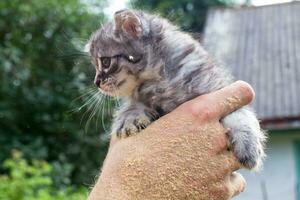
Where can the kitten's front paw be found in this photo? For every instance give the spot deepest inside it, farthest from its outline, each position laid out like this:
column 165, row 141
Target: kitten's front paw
column 249, row 151
column 131, row 125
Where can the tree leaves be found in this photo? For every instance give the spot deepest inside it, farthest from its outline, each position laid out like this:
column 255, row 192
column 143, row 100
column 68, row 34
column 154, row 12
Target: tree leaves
column 41, row 72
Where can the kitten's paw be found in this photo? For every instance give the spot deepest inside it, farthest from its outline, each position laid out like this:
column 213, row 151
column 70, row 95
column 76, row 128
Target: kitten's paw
column 248, row 151
column 131, row 125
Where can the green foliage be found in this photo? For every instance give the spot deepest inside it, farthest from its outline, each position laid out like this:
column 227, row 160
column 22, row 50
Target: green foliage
column 189, row 14
column 32, row 181
column 41, row 73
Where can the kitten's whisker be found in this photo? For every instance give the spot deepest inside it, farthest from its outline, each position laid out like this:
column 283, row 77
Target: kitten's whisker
column 93, row 111
column 111, row 106
column 100, row 108
column 90, row 107
column 92, row 101
column 94, row 96
column 88, row 92
column 86, row 95
column 97, row 114
column 108, row 101
column 95, row 108
column 102, row 117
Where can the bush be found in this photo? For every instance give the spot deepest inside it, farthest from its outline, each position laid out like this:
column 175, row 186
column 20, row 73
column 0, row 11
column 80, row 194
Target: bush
column 41, row 73
column 33, row 181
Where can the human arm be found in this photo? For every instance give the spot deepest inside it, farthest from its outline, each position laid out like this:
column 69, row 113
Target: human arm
column 183, row 155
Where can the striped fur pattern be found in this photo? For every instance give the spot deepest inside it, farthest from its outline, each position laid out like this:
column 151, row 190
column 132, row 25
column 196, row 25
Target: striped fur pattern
column 156, row 67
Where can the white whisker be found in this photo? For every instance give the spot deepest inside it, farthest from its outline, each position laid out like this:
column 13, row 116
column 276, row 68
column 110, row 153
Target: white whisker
column 93, row 112
column 86, row 95
column 90, row 103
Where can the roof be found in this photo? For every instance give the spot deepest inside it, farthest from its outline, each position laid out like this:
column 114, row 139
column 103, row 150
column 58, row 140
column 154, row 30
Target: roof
column 261, row 45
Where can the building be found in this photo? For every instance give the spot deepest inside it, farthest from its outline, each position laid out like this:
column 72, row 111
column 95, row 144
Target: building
column 261, row 45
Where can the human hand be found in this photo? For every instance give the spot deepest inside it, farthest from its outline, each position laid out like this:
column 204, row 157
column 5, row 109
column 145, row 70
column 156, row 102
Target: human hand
column 182, row 155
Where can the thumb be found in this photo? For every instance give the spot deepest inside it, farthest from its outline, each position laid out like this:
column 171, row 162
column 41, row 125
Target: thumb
column 224, row 101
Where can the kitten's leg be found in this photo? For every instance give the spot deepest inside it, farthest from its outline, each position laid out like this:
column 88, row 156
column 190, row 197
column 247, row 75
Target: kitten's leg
column 246, row 137
column 132, row 118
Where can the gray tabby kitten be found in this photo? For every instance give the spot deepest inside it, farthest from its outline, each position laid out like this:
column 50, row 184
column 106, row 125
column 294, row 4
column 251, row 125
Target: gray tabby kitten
column 157, row 67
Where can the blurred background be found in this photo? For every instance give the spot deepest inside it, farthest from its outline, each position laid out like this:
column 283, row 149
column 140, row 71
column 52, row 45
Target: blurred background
column 51, row 135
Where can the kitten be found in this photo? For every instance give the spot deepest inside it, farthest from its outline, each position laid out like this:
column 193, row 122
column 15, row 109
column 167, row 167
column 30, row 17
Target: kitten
column 156, row 67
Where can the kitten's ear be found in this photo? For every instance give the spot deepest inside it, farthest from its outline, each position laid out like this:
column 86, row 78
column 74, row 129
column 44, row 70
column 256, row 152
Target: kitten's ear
column 128, row 23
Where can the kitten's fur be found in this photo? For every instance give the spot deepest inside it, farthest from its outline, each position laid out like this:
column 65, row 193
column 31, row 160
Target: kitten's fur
column 159, row 67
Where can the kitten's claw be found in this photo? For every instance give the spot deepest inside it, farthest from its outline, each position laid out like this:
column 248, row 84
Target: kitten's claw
column 131, row 125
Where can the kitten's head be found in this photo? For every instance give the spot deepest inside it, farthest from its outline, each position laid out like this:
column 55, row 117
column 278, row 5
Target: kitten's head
column 119, row 51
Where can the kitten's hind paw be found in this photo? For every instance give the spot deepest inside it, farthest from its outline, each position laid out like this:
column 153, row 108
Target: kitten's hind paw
column 250, row 153
column 249, row 160
column 131, row 125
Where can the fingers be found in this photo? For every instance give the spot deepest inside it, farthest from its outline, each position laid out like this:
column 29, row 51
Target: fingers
column 236, row 184
column 230, row 162
column 222, row 102
column 220, row 142
column 219, row 139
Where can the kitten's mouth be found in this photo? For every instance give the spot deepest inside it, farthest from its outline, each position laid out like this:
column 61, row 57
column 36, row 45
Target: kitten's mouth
column 116, row 88
column 111, row 87
column 108, row 89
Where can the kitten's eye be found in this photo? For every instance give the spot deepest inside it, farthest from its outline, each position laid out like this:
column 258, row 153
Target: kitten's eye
column 133, row 59
column 105, row 62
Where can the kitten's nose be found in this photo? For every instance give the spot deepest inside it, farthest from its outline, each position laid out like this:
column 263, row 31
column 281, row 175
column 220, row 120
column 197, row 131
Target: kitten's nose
column 101, row 78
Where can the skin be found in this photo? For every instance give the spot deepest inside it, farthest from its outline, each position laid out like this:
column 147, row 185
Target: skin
column 182, row 155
